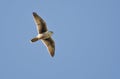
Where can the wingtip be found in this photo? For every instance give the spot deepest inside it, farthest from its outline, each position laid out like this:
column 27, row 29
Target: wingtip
column 52, row 56
column 34, row 12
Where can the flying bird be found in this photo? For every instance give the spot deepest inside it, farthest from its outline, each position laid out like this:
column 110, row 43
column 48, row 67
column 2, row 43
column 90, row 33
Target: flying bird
column 43, row 34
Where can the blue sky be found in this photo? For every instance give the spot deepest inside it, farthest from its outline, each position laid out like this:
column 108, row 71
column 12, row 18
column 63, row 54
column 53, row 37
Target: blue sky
column 86, row 32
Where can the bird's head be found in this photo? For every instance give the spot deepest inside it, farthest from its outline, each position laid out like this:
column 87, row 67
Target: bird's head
column 51, row 32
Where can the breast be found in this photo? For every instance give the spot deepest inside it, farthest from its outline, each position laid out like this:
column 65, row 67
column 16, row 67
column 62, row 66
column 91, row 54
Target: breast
column 44, row 35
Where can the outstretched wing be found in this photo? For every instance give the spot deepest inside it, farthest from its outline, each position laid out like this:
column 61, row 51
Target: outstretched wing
column 50, row 44
column 40, row 23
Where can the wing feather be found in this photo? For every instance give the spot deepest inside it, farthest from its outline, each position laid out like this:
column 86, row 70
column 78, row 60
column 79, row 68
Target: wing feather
column 40, row 23
column 50, row 44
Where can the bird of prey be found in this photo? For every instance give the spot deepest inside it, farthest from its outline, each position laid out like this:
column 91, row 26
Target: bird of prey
column 43, row 34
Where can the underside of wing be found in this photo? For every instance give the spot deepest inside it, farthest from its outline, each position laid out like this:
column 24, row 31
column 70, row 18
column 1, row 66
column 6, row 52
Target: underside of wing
column 49, row 43
column 40, row 23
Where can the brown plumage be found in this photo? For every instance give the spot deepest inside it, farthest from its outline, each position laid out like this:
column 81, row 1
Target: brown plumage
column 43, row 31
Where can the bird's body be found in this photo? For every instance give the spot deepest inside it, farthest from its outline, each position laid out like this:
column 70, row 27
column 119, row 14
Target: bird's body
column 43, row 34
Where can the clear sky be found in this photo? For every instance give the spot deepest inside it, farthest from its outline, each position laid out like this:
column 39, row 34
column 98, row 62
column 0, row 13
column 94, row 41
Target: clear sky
column 86, row 32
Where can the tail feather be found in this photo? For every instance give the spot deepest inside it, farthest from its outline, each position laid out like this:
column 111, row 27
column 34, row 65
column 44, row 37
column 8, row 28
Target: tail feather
column 34, row 39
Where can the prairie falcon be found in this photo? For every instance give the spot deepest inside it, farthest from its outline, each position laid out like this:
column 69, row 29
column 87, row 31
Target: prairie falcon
column 43, row 34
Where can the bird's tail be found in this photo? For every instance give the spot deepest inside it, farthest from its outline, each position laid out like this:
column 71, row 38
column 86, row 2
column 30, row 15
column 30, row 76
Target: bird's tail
column 34, row 39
